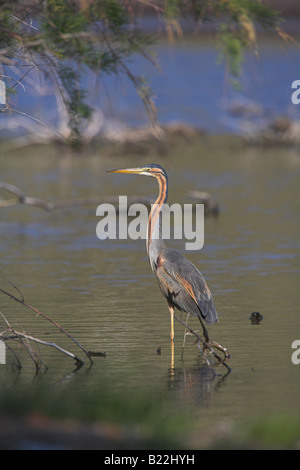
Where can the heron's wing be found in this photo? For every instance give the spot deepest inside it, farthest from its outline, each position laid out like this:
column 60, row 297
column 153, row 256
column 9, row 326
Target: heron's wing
column 184, row 282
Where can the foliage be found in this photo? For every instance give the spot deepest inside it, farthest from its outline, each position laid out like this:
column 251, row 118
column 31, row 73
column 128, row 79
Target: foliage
column 238, row 31
column 61, row 37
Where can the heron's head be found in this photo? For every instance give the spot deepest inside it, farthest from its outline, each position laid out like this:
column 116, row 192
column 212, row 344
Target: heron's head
column 153, row 170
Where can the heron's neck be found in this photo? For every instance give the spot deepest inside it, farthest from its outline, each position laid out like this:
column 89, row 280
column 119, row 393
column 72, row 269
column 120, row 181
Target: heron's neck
column 155, row 242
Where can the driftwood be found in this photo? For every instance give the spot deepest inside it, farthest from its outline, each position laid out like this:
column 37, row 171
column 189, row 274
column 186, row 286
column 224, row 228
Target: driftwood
column 21, row 198
column 10, row 334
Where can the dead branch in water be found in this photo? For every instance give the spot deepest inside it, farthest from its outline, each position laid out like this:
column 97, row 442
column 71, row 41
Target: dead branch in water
column 11, row 334
column 21, row 198
column 208, row 346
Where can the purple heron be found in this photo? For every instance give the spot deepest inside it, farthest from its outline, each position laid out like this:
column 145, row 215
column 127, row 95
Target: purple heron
column 180, row 281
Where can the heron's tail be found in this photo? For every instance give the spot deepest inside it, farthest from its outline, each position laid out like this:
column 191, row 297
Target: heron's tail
column 208, row 312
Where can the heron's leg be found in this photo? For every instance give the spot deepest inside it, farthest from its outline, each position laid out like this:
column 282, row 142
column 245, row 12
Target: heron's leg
column 205, row 332
column 172, row 355
column 184, row 335
column 213, row 344
column 172, row 335
column 171, row 310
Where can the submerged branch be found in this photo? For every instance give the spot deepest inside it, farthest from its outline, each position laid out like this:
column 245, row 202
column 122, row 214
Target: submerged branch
column 22, row 336
column 18, row 335
column 208, row 346
column 21, row 198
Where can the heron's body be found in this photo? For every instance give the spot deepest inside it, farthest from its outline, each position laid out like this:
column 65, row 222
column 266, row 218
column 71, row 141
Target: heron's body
column 179, row 280
column 184, row 286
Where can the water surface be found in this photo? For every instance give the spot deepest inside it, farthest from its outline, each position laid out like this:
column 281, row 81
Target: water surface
column 104, row 293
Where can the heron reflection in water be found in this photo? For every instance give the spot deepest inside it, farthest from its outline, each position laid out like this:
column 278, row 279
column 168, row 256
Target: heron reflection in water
column 180, row 281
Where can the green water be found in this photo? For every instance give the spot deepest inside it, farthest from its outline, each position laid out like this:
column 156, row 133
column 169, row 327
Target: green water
column 104, row 293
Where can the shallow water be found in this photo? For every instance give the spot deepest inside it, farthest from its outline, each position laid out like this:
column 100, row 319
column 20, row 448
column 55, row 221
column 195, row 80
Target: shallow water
column 104, row 293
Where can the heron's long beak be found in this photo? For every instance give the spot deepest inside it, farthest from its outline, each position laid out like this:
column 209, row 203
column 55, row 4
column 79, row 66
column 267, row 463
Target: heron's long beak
column 135, row 171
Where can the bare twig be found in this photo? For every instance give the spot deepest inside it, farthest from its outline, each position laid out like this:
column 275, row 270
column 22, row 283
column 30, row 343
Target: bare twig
column 24, row 22
column 11, row 334
column 17, row 82
column 205, row 345
column 17, row 334
column 60, row 328
column 143, row 92
column 34, row 119
column 14, row 286
column 16, row 356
